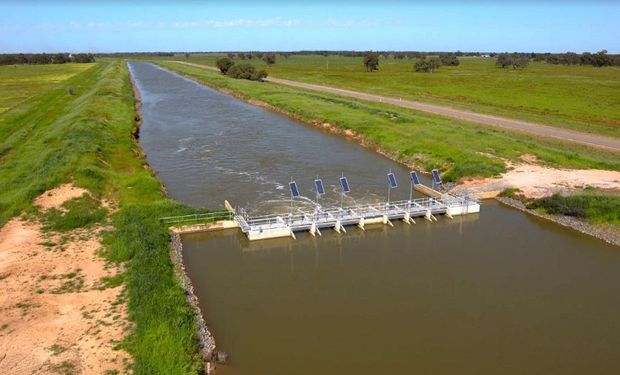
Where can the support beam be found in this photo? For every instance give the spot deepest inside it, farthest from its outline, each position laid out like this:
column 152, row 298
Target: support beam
column 407, row 219
column 387, row 221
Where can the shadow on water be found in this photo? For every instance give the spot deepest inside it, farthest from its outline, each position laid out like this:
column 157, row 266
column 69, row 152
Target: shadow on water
column 499, row 292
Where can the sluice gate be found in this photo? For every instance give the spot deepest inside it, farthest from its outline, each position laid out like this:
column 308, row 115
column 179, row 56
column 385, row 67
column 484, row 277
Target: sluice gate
column 336, row 218
column 273, row 226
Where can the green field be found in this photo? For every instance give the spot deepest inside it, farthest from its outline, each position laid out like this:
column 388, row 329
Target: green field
column 86, row 138
column 419, row 139
column 583, row 98
column 19, row 82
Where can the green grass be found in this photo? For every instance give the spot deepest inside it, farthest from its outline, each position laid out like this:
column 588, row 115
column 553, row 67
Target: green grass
column 582, row 98
column 424, row 140
column 86, row 138
column 596, row 207
column 19, row 82
column 77, row 213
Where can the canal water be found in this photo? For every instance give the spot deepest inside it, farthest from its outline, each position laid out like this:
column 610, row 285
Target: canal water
column 499, row 292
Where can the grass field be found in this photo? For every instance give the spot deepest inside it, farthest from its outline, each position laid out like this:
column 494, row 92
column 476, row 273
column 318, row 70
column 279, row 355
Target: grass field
column 19, row 82
column 424, row 140
column 87, row 138
column 582, row 98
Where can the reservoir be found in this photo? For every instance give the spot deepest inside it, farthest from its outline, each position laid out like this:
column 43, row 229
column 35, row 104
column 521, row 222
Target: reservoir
column 496, row 293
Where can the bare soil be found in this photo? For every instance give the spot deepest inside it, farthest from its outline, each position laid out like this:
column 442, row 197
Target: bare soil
column 536, row 181
column 56, row 314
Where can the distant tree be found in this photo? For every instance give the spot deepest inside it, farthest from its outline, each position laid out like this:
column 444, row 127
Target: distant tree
column 515, row 60
column 571, row 58
column 224, row 64
column 371, row 61
column 60, row 58
column 241, row 55
column 520, row 62
column 503, row 60
column 425, row 65
column 258, row 55
column 269, row 58
column 83, row 58
column 450, row 60
column 186, row 55
column 600, row 59
column 230, row 55
column 246, row 71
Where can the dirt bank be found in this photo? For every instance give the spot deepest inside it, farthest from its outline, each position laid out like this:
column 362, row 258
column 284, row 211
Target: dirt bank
column 58, row 313
column 536, row 181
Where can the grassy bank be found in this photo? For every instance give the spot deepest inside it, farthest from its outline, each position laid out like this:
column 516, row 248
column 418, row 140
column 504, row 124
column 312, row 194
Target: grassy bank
column 419, row 139
column 583, row 98
column 19, row 82
column 595, row 207
column 87, row 138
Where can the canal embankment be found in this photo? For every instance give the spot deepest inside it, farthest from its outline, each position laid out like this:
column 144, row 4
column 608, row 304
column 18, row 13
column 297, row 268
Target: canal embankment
column 83, row 136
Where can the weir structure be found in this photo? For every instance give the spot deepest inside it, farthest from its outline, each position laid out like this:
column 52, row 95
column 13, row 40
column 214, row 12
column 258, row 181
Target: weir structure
column 336, row 218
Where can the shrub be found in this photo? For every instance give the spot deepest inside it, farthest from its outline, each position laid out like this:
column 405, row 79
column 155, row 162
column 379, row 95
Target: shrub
column 246, row 71
column 224, row 64
column 425, row 65
column 450, row 60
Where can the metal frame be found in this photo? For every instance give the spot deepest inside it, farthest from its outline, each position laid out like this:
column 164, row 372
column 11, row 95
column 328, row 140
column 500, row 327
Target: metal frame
column 327, row 218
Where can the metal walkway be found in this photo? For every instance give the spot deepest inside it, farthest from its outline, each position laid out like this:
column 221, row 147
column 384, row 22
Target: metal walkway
column 272, row 226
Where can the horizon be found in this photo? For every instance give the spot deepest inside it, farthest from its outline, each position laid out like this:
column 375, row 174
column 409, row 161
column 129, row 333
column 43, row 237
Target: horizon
column 191, row 26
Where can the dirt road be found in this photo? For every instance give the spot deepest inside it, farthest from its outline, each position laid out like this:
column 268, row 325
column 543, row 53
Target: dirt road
column 599, row 141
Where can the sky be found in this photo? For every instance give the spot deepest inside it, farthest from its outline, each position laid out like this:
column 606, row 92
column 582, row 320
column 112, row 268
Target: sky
column 141, row 26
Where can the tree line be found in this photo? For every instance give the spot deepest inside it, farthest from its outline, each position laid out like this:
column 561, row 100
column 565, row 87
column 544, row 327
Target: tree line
column 599, row 59
column 424, row 64
column 44, row 58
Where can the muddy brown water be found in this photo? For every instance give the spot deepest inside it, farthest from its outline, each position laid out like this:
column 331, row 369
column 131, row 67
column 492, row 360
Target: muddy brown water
column 499, row 292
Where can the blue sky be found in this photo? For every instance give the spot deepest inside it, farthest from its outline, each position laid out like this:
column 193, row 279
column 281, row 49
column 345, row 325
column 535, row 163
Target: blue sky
column 484, row 25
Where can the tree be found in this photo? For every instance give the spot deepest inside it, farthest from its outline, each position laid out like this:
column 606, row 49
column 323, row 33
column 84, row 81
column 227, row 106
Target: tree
column 269, row 58
column 371, row 61
column 60, row 58
column 520, row 62
column 230, row 55
column 224, row 64
column 601, row 59
column 246, row 71
column 186, row 55
column 450, row 60
column 241, row 55
column 503, row 60
column 425, row 65
column 515, row 60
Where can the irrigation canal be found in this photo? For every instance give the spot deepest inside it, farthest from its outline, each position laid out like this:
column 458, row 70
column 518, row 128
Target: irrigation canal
column 499, row 292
